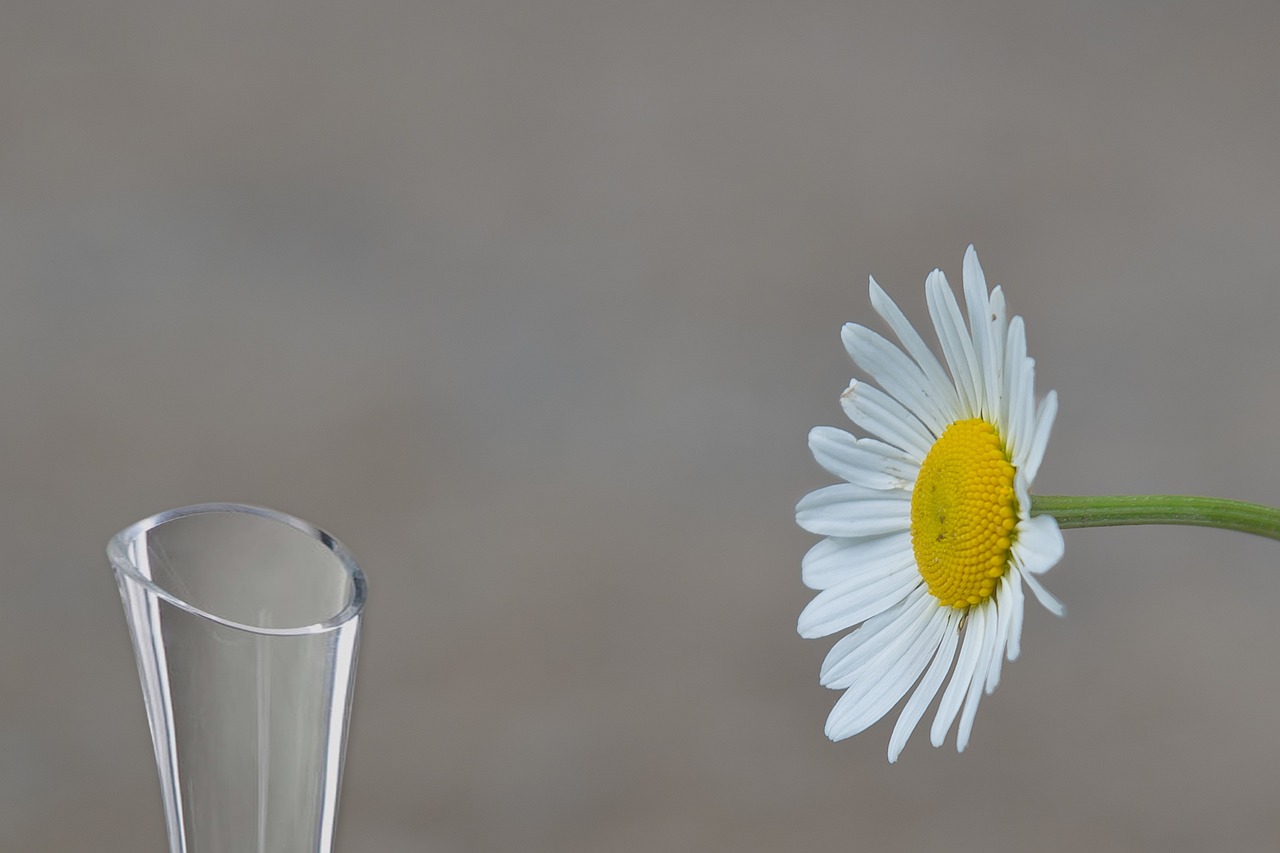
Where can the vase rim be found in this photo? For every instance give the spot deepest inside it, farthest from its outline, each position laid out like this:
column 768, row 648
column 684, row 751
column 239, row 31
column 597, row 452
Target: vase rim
column 125, row 567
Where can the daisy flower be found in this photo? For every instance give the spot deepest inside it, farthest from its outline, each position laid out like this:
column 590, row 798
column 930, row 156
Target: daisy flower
column 930, row 539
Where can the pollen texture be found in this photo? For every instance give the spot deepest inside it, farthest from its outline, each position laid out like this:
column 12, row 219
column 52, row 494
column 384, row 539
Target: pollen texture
column 963, row 510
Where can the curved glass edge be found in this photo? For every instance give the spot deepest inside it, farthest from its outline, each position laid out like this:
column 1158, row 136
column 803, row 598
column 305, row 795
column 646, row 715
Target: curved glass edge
column 118, row 554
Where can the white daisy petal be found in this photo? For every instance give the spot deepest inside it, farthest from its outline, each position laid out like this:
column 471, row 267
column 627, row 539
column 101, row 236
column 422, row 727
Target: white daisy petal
column 957, row 346
column 920, row 601
column 917, row 349
column 839, row 453
column 897, row 461
column 889, row 620
column 1039, row 545
column 964, row 674
column 1045, row 414
column 1026, row 418
column 986, row 322
column 974, row 286
column 880, row 414
column 1013, row 592
column 834, row 559
column 848, row 510
column 998, row 317
column 986, row 612
column 860, row 708
column 1043, row 595
column 1016, row 385
column 850, row 602
column 852, row 654
column 920, row 640
column 928, row 687
column 997, row 320
column 1003, row 603
column 897, row 375
column 1022, row 488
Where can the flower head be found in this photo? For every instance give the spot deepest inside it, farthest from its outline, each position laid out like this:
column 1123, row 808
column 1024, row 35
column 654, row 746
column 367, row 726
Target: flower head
column 930, row 539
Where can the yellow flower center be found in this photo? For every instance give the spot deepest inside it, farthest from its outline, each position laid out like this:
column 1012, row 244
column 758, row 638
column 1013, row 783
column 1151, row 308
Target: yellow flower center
column 963, row 510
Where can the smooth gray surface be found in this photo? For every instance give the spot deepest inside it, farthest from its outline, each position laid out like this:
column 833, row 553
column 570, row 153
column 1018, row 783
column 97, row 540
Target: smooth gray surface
column 533, row 304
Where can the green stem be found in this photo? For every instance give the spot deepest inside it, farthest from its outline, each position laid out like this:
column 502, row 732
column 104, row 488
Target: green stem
column 1159, row 509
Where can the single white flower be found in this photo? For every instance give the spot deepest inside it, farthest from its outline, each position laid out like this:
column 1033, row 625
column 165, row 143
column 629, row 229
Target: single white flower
column 931, row 538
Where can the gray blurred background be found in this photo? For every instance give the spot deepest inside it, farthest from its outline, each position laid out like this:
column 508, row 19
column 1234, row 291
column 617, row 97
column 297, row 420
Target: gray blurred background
column 533, row 305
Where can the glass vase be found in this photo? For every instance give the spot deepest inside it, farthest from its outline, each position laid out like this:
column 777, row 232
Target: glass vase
column 245, row 625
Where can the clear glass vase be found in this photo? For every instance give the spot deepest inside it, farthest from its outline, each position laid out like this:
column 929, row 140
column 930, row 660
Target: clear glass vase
column 245, row 626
